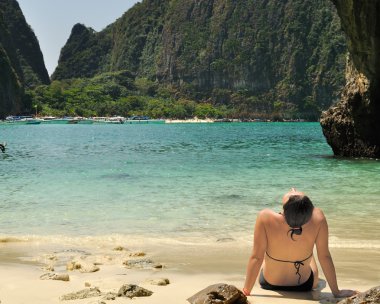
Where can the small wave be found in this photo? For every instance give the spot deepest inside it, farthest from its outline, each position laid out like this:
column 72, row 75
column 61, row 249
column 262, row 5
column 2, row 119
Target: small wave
column 7, row 239
column 336, row 242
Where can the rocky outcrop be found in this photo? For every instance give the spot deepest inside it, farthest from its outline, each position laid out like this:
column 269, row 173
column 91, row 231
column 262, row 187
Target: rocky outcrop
column 352, row 127
column 85, row 49
column 82, row 294
column 30, row 62
column 55, row 276
column 371, row 296
column 288, row 53
column 11, row 90
column 21, row 60
column 219, row 294
column 132, row 291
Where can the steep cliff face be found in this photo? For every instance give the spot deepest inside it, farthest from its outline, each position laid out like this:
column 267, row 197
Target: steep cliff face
column 352, row 127
column 93, row 49
column 28, row 52
column 285, row 51
column 21, row 60
column 286, row 48
column 10, row 85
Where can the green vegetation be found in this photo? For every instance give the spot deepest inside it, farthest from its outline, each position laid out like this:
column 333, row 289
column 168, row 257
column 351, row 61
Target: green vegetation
column 184, row 58
column 120, row 93
column 251, row 58
column 116, row 93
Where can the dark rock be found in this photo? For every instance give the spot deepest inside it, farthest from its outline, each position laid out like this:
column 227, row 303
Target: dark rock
column 219, row 294
column 131, row 291
column 371, row 296
column 352, row 127
column 159, row 282
column 82, row 294
column 139, row 263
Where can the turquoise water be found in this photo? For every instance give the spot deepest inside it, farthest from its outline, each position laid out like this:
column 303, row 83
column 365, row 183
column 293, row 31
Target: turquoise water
column 178, row 180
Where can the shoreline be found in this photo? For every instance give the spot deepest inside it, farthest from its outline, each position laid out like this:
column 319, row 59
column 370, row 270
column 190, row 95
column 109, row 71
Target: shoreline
column 189, row 267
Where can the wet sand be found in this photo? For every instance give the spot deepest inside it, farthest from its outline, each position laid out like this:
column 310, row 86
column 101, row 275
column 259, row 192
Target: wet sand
column 189, row 267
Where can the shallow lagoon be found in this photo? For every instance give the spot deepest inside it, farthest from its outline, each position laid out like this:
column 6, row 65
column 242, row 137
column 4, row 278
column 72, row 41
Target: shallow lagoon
column 180, row 181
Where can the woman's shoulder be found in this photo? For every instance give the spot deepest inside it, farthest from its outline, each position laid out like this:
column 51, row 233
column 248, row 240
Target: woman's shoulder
column 318, row 215
column 267, row 214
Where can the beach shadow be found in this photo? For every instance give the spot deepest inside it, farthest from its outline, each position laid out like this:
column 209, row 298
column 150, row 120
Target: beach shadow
column 315, row 295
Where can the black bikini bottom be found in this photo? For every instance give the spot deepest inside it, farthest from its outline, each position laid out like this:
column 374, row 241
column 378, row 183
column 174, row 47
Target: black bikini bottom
column 306, row 286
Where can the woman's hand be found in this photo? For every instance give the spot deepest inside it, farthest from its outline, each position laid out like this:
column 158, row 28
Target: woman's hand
column 246, row 292
column 345, row 293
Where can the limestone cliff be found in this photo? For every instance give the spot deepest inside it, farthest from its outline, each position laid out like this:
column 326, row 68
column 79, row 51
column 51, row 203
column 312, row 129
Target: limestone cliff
column 21, row 60
column 352, row 127
column 289, row 54
column 10, row 85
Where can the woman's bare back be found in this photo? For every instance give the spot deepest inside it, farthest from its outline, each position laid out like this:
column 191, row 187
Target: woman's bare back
column 281, row 246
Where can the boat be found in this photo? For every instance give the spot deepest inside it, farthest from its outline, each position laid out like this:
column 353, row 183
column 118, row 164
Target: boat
column 109, row 120
column 23, row 120
column 143, row 120
column 66, row 120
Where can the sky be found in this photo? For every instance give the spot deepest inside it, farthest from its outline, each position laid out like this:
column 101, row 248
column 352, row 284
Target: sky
column 52, row 20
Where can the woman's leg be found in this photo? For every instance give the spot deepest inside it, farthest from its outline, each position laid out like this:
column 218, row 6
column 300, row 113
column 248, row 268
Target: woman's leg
column 314, row 269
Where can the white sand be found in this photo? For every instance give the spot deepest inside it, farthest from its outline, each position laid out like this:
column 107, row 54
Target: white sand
column 189, row 268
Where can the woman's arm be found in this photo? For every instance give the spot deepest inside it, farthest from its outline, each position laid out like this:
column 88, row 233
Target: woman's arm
column 325, row 259
column 256, row 259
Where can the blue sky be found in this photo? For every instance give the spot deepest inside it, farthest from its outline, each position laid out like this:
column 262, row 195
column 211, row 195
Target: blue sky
column 52, row 20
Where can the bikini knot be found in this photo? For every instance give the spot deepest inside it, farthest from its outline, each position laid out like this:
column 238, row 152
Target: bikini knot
column 297, row 265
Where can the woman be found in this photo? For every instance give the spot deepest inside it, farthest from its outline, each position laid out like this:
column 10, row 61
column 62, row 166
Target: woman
column 283, row 244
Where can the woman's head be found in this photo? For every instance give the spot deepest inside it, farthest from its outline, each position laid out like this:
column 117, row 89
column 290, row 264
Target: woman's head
column 298, row 209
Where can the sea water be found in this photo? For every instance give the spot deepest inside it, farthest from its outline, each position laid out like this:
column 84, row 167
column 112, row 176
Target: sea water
column 178, row 180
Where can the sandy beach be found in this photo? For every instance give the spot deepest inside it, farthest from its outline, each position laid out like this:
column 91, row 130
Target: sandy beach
column 189, row 267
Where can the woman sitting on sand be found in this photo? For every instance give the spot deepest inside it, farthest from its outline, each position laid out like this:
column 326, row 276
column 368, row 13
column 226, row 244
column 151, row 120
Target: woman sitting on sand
column 284, row 242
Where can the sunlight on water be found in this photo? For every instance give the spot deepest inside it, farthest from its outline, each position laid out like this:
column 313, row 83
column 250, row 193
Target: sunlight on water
column 177, row 180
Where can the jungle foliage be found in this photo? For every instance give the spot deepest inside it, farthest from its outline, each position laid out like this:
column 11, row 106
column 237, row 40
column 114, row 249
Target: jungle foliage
column 252, row 57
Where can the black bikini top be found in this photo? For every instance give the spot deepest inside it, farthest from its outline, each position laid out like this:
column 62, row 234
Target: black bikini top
column 297, row 264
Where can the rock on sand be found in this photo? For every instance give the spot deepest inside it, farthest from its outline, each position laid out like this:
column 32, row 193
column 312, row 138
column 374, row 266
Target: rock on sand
column 131, row 291
column 371, row 296
column 219, row 294
column 82, row 294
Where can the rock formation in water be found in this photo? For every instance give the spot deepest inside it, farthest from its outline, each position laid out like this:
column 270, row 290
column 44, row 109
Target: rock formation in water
column 288, row 53
column 352, row 127
column 21, row 60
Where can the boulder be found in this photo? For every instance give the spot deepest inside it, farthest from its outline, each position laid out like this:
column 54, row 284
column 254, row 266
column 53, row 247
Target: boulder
column 132, row 291
column 219, row 294
column 352, row 126
column 139, row 263
column 82, row 294
column 55, row 276
column 110, row 296
column 82, row 267
column 371, row 296
column 159, row 282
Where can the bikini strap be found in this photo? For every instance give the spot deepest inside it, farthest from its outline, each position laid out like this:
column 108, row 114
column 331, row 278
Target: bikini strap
column 297, row 264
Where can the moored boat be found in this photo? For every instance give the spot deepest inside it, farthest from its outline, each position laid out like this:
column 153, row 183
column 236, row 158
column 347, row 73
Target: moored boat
column 143, row 119
column 22, row 120
column 109, row 120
